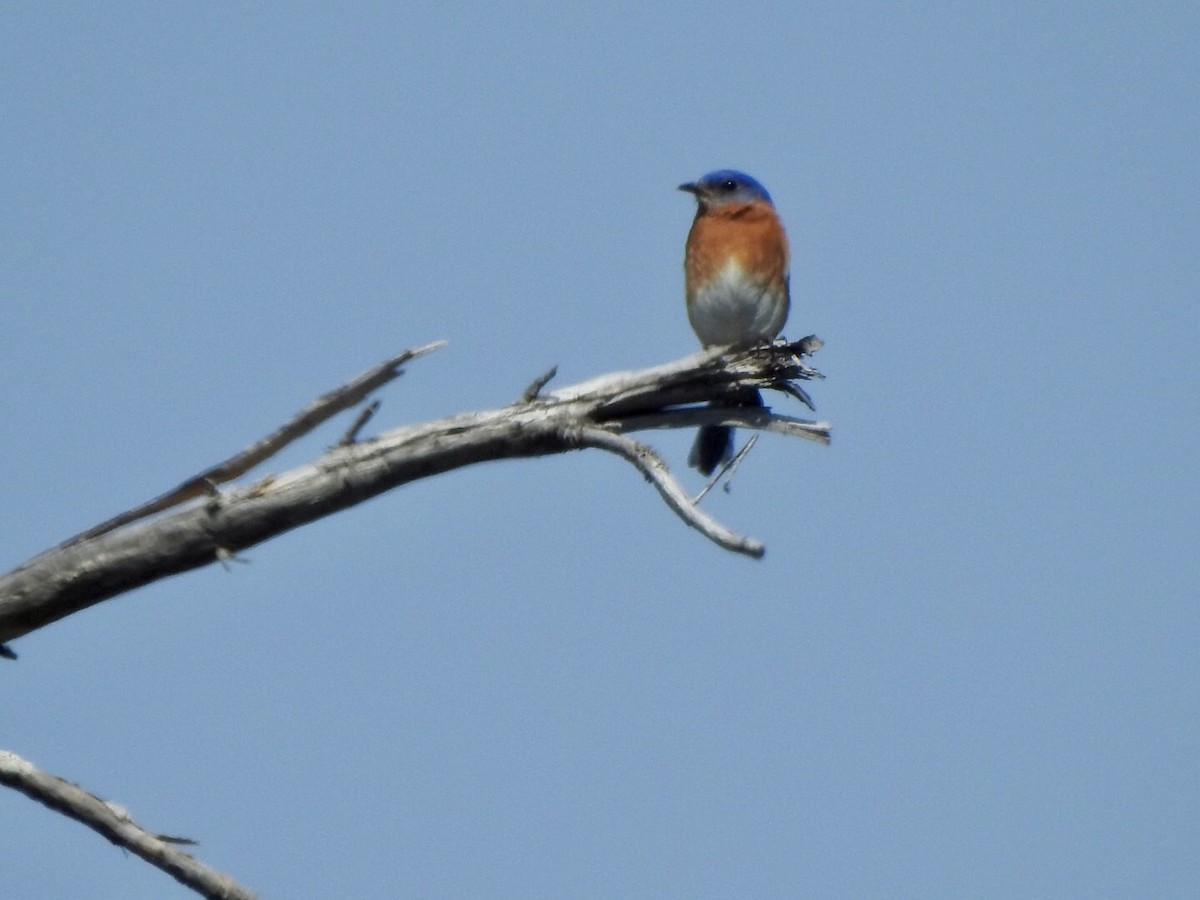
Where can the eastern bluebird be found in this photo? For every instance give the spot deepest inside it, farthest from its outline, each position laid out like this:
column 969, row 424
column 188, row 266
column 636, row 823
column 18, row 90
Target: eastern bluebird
column 736, row 280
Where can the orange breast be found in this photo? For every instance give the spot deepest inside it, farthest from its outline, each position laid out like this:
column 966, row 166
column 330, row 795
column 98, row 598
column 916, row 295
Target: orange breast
column 751, row 233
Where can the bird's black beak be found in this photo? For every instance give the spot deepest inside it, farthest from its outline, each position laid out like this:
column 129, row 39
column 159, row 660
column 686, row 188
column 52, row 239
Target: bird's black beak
column 691, row 187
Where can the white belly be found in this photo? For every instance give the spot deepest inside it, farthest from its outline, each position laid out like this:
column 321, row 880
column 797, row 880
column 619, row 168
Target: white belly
column 734, row 309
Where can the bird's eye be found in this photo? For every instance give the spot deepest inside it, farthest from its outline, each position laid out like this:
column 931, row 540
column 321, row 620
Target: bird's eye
column 729, row 186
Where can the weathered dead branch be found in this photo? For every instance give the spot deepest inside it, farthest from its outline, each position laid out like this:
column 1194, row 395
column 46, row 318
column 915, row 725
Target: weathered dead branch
column 205, row 525
column 115, row 823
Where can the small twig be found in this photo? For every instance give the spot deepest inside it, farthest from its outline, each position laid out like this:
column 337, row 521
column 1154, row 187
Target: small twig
column 114, row 822
column 794, row 390
column 730, row 466
column 710, row 485
column 351, row 434
column 809, row 345
column 650, row 464
column 225, row 557
column 535, row 387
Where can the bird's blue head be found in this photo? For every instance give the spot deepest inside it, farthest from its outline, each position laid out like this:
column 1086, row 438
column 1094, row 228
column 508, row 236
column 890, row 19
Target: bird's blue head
column 726, row 186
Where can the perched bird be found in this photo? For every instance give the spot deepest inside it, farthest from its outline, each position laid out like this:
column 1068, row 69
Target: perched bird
column 736, row 280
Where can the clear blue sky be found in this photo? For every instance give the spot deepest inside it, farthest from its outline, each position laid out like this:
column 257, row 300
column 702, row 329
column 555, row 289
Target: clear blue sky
column 967, row 666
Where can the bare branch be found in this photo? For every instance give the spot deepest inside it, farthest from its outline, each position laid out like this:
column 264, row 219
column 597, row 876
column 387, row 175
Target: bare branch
column 123, row 554
column 351, row 433
column 650, row 464
column 535, row 387
column 115, row 823
column 317, row 412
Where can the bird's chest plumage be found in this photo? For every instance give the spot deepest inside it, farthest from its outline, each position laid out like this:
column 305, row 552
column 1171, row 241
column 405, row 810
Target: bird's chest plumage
column 734, row 307
column 736, row 272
